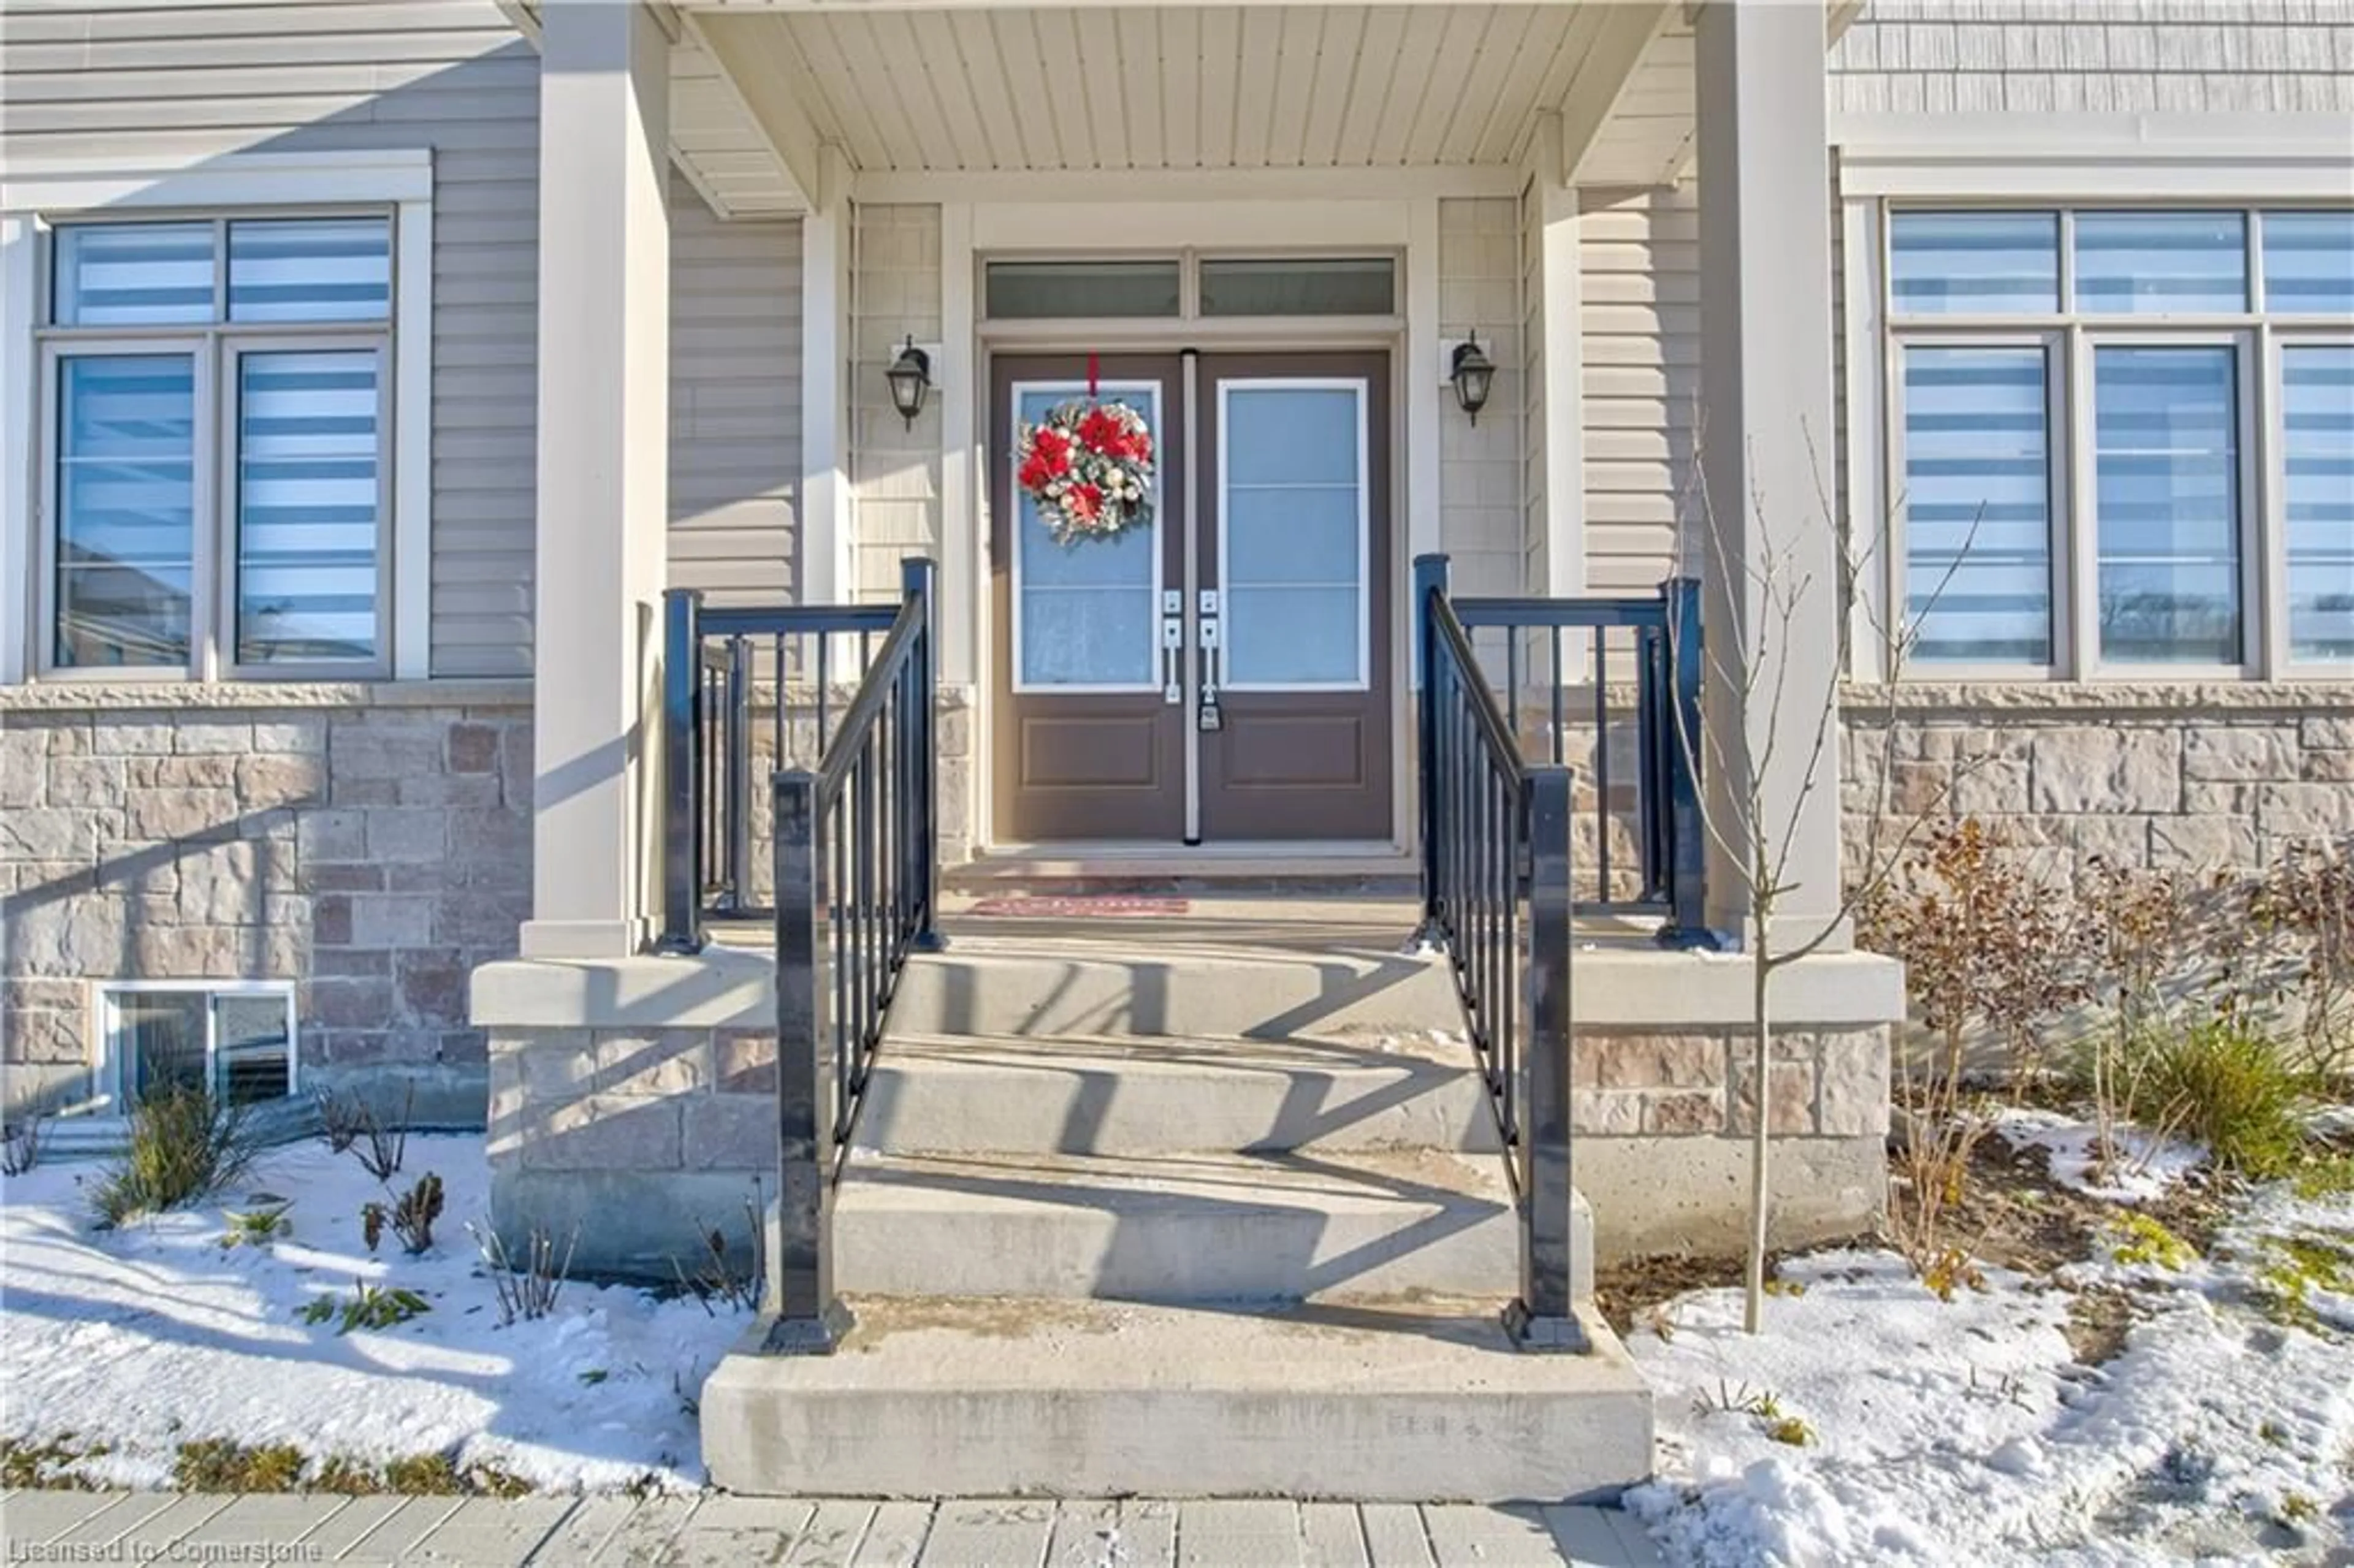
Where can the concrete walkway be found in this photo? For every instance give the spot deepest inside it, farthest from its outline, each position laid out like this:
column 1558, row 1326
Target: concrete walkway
column 725, row 1532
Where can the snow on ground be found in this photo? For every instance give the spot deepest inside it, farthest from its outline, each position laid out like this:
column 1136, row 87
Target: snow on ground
column 1963, row 1431
column 2144, row 1167
column 155, row 1335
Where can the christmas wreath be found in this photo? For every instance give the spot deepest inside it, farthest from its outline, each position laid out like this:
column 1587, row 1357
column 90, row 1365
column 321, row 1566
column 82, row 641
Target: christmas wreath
column 1088, row 467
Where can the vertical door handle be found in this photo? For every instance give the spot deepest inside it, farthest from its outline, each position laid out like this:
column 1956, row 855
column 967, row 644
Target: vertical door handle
column 1172, row 650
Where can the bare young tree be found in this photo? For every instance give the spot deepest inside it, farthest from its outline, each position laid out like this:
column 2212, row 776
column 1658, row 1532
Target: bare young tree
column 1776, row 603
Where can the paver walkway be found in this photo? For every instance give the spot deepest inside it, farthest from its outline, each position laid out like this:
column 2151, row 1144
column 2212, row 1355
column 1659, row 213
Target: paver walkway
column 724, row 1532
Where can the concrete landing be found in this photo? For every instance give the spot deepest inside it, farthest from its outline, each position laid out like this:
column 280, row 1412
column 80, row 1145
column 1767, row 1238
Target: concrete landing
column 1371, row 1401
column 1361, row 1089
column 1198, row 1227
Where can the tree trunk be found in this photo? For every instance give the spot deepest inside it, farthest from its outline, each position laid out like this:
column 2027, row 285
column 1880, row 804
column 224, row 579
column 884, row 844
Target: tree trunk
column 1753, row 1313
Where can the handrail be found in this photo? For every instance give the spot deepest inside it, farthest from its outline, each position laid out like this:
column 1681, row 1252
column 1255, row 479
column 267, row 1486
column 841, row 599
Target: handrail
column 1666, row 627
column 720, row 665
column 857, row 880
column 1496, row 874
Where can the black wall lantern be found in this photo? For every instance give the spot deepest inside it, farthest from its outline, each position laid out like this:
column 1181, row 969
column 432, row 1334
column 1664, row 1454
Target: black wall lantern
column 1474, row 375
column 911, row 378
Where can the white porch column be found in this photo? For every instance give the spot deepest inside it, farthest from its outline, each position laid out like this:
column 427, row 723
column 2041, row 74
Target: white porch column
column 604, row 456
column 1559, row 355
column 1766, row 448
column 828, row 573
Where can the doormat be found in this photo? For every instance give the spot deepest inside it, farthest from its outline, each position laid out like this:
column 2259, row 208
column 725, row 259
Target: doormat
column 1080, row 905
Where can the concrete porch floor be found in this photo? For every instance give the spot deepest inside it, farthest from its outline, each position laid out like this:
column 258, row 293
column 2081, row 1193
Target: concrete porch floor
column 718, row 1531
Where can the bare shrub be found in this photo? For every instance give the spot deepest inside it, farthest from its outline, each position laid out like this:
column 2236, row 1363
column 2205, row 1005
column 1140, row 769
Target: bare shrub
column 411, row 1216
column 381, row 1145
column 528, row 1290
column 2304, row 901
column 20, row 1144
column 341, row 1119
column 1987, row 948
column 715, row 1276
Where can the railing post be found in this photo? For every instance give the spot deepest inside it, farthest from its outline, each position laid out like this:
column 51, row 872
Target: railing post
column 682, row 739
column 1429, row 582
column 919, row 582
column 1687, row 922
column 810, row 1318
column 1543, row 1318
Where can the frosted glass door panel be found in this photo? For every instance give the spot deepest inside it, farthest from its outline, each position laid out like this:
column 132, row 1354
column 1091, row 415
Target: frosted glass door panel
column 1084, row 614
column 1293, row 534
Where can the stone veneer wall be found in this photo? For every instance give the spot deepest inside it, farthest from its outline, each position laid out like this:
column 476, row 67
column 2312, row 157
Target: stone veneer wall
column 641, row 1138
column 1663, row 1123
column 2197, row 777
column 371, row 844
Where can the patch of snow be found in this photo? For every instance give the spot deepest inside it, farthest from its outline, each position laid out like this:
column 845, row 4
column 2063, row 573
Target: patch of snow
column 1962, row 1431
column 2146, row 1166
column 155, row 1335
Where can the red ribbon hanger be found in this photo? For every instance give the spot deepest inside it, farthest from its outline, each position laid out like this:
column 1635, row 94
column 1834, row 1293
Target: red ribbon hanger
column 1092, row 374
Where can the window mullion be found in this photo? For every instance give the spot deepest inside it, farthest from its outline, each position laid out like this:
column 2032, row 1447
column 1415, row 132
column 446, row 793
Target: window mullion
column 2263, row 523
column 2082, row 520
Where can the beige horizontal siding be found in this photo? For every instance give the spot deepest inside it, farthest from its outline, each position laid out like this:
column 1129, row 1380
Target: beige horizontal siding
column 1639, row 328
column 734, row 403
column 181, row 83
column 2029, row 56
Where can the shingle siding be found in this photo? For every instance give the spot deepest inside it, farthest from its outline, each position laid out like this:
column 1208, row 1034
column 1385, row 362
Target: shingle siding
column 1639, row 314
column 176, row 85
column 2041, row 56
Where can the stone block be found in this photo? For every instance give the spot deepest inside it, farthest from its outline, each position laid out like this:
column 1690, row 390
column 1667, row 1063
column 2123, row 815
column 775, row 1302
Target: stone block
column 53, row 1036
column 331, row 835
column 88, row 782
column 359, row 752
column 2327, row 732
column 1605, row 1113
column 1855, row 1090
column 1689, row 1114
column 303, row 735
column 180, row 813
column 602, row 1133
column 77, row 935
column 493, row 848
column 202, row 737
column 473, row 748
column 131, row 735
column 407, row 833
column 281, row 778
column 730, row 1132
column 206, row 772
column 432, row 985
column 2328, row 766
column 352, row 1002
column 954, row 733
column 220, row 884
column 333, row 877
column 1656, row 1061
column 391, row 920
column 2203, row 844
column 1989, row 787
column 2079, row 769
column 47, row 833
column 485, row 920
column 330, row 920
column 213, row 952
column 2304, row 810
column 1792, row 1088
column 476, row 789
column 744, row 1062
column 2214, row 751
column 661, row 1062
column 556, row 1064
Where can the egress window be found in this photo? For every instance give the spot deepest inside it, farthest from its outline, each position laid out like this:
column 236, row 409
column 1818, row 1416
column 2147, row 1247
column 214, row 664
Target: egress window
column 2124, row 438
column 235, row 1042
column 216, row 469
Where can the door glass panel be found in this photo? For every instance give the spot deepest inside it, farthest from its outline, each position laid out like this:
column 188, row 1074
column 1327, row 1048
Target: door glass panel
column 1084, row 614
column 1292, row 532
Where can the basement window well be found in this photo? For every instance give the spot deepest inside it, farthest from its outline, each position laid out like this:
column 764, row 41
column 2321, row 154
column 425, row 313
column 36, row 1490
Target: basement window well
column 234, row 1039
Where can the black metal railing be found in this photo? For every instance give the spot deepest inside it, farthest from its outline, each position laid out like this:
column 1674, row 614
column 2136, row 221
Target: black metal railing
column 745, row 692
column 1496, row 895
column 1663, row 724
column 856, row 892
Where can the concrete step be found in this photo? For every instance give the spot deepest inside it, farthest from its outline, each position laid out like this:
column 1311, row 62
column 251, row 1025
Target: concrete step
column 1366, row 1089
column 1215, row 1227
column 1239, row 970
column 1388, row 1401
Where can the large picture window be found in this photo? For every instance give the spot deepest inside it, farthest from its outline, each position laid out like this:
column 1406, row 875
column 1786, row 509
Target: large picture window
column 214, row 458
column 2124, row 439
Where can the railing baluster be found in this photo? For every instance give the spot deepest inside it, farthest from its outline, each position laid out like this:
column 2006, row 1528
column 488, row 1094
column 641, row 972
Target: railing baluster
column 1602, row 764
column 682, row 847
column 1553, row 636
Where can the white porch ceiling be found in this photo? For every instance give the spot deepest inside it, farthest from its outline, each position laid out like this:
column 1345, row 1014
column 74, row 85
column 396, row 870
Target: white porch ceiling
column 1097, row 87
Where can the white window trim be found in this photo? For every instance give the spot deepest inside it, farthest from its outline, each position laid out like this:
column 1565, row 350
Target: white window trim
column 109, row 1096
column 38, row 191
column 2155, row 159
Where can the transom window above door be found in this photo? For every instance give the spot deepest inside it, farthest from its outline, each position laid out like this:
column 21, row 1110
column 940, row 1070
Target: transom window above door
column 2122, row 440
column 1182, row 288
column 216, row 468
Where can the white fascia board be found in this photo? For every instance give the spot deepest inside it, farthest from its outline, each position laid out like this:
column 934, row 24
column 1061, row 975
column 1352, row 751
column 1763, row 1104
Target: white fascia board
column 2237, row 157
column 240, row 179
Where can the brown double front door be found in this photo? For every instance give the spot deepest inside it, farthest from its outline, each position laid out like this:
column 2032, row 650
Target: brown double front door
column 1223, row 674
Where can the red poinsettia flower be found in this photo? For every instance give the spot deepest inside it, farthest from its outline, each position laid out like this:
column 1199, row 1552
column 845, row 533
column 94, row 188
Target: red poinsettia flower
column 1049, row 459
column 1084, row 502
